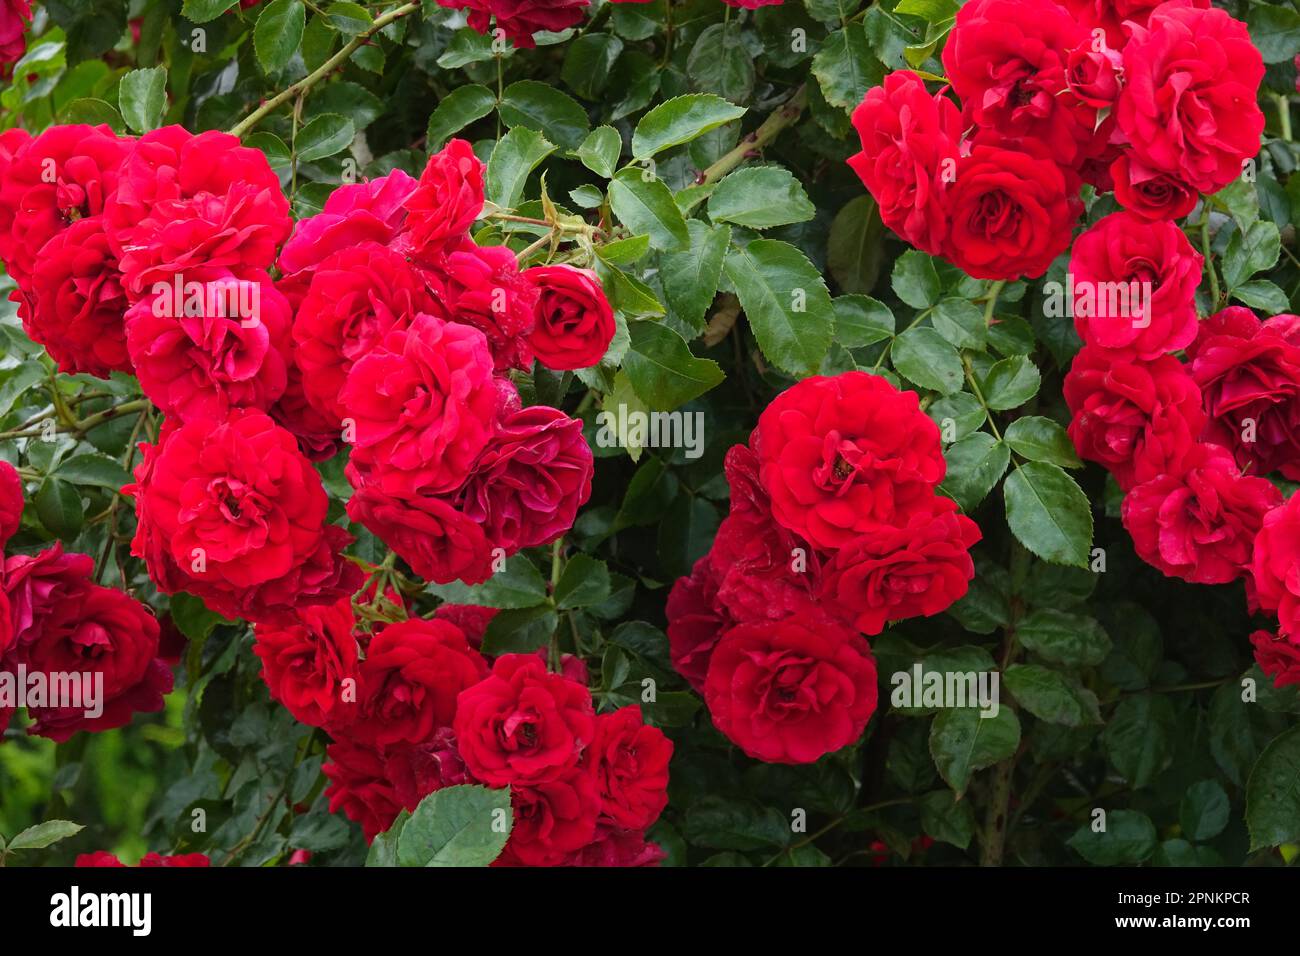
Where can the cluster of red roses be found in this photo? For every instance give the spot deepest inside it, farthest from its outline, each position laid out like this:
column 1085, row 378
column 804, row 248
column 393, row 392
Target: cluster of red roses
column 56, row 622
column 102, row 859
column 1156, row 102
column 834, row 528
column 423, row 710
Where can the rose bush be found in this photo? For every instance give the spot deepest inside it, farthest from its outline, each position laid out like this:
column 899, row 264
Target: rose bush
column 649, row 433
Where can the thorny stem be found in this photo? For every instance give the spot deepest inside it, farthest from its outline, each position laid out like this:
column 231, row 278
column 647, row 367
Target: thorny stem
column 751, row 145
column 1209, row 261
column 86, row 424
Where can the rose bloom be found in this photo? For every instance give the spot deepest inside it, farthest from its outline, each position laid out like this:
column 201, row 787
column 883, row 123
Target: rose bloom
column 15, row 15
column 696, row 620
column 482, row 287
column 909, row 140
column 791, row 691
column 523, row 725
column 533, row 476
column 520, row 19
column 11, row 504
column 418, row 770
column 75, row 304
column 1140, row 260
column 917, row 570
column 552, row 819
column 233, row 513
column 440, row 543
column 1189, row 105
column 1136, row 419
column 1094, row 75
column 447, row 200
column 1006, row 60
column 575, row 322
column 613, row 846
column 219, row 345
column 470, row 618
column 102, row 858
column 1110, row 15
column 1277, row 656
column 356, row 297
column 360, row 788
column 306, row 660
column 1249, row 372
column 1012, row 211
column 65, row 174
column 410, row 680
column 629, row 762
column 99, row 631
column 1274, row 584
column 845, row 455
column 1200, row 523
column 36, row 584
column 424, row 403
column 186, row 201
column 319, row 434
column 1150, row 193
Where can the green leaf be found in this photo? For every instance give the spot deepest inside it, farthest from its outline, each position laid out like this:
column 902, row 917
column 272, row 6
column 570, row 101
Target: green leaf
column 278, row 33
column 855, row 245
column 520, row 631
column 680, row 120
column 760, row 197
column 462, row 825
column 846, row 68
column 348, row 18
column 518, row 585
column 541, row 107
column 1048, row 512
column 720, row 63
column 455, row 111
column 915, row 281
column 975, row 465
column 142, row 98
column 923, row 356
column 1011, row 382
column 584, row 582
column 201, row 11
column 1253, row 251
column 1204, row 810
column 690, row 277
column 192, row 617
column 1275, row 30
column 588, row 61
column 1129, row 838
column 1041, row 439
column 687, row 533
column 59, row 508
column 93, row 111
column 1139, row 737
column 628, row 294
column 625, row 251
column 513, row 158
column 1052, row 696
column 324, row 135
column 960, row 322
column 1273, row 793
column 466, row 46
column 1262, row 294
column 1063, row 638
column 95, row 470
column 735, row 824
column 44, row 834
column 786, row 302
column 662, row 369
column 961, row 742
column 932, row 11
column 646, row 205
column 860, row 321
column 945, row 818
column 599, row 152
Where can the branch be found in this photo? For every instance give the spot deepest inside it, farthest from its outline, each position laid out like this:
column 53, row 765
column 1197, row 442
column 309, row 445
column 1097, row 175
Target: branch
column 753, row 144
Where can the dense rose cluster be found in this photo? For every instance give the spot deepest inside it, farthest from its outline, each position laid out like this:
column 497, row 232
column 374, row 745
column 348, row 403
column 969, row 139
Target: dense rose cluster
column 1155, row 102
column 58, row 625
column 835, row 529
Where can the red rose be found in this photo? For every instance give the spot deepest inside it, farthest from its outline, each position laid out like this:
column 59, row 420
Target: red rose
column 36, row 584
column 1275, row 566
column 1136, row 419
column 1249, row 372
column 909, row 143
column 914, row 571
column 75, row 304
column 470, row 618
column 629, row 762
column 305, row 661
column 845, row 455
column 696, row 619
column 1110, row 15
column 234, row 513
column 216, row 343
column 15, row 15
column 65, row 174
column 187, row 201
column 182, row 860
column 1188, row 106
column 1095, row 73
column 1278, row 657
column 1199, row 524
column 482, row 287
column 424, row 405
column 100, row 858
column 552, row 819
column 410, row 680
column 1149, row 193
column 440, row 543
column 615, row 847
column 447, row 200
column 527, row 486
column 523, row 725
column 1006, row 60
column 575, row 323
column 359, row 787
column 102, row 632
column 1135, row 286
column 1012, row 213
column 520, row 19
column 418, row 770
column 319, row 434
column 790, row 691
column 11, row 504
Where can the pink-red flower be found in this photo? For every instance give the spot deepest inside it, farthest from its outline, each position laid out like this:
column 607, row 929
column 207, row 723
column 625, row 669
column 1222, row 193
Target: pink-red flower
column 575, row 322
